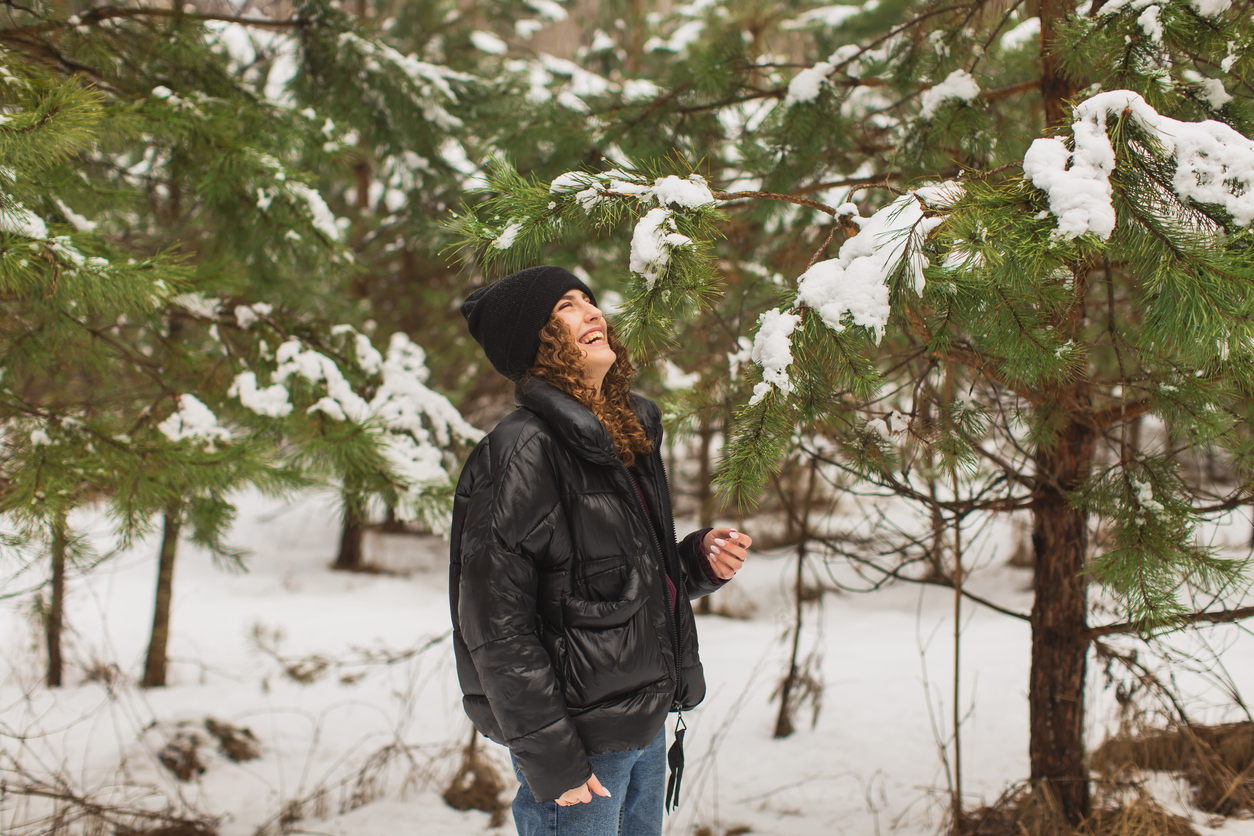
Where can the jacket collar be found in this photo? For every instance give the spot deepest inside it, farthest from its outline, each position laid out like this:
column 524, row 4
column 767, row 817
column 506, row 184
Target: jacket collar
column 575, row 425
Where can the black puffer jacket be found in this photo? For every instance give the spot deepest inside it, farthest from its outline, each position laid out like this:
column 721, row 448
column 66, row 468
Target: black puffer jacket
column 565, row 641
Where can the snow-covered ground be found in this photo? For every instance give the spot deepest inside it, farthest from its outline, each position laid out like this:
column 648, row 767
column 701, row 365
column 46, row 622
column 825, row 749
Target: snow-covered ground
column 367, row 748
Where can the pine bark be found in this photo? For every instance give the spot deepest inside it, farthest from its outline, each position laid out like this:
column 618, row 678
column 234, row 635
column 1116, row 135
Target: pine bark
column 56, row 606
column 352, row 555
column 1056, row 88
column 155, row 665
column 1059, row 623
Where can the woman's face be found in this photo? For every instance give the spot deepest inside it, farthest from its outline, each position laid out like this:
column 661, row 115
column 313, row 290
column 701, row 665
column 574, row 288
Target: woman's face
column 587, row 325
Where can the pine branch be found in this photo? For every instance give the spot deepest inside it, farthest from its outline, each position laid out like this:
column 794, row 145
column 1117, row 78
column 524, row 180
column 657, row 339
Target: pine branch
column 94, row 17
column 1220, row 617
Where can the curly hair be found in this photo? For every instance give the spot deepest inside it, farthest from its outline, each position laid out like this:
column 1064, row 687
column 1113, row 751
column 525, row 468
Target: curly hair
column 559, row 361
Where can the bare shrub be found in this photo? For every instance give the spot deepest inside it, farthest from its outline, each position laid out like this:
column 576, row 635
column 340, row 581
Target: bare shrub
column 477, row 784
column 237, row 743
column 181, row 755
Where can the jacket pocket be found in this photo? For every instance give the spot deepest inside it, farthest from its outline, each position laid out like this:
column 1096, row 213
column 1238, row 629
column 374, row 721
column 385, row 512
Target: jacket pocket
column 611, row 647
column 581, row 612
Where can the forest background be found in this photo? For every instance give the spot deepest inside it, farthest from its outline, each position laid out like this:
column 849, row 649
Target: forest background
column 901, row 272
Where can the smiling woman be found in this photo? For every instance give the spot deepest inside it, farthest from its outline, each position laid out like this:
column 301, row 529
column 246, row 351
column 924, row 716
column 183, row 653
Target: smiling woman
column 571, row 599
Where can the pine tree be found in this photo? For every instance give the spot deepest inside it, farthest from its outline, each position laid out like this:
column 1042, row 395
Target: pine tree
column 1043, row 229
column 168, row 241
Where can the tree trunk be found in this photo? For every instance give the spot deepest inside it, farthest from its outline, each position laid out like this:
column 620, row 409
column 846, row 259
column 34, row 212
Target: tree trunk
column 56, row 606
column 352, row 557
column 154, row 667
column 1055, row 87
column 705, row 496
column 1059, row 623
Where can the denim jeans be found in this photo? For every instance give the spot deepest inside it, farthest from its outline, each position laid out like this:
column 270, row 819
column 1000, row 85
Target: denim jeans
column 637, row 784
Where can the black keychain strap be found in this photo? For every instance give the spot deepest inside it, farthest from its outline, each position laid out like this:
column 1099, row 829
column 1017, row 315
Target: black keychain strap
column 675, row 759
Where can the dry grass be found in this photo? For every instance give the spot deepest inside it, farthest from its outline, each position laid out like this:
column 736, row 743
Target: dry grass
column 1028, row 812
column 1218, row 761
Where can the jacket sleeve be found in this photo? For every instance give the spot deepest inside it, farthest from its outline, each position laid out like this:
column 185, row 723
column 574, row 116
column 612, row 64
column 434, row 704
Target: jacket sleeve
column 701, row 581
column 510, row 519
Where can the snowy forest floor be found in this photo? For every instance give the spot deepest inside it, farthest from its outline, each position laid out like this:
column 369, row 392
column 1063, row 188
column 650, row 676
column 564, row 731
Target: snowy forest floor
column 367, row 746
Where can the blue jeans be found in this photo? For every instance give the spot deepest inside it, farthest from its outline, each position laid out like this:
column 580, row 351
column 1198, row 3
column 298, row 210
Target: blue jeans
column 637, row 784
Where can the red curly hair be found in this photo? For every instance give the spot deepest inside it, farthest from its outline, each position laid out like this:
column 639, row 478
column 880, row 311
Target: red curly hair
column 559, row 361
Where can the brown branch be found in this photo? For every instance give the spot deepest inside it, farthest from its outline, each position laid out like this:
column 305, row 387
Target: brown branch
column 1118, row 413
column 1011, row 90
column 786, row 198
column 1220, row 617
column 98, row 15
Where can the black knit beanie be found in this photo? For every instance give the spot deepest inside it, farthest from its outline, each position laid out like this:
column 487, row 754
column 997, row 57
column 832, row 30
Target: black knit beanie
column 506, row 317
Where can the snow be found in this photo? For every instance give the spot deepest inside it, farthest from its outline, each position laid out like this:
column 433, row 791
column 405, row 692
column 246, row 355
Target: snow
column 692, row 193
column 639, row 90
column 683, row 37
column 489, row 43
column 772, row 350
column 1214, row 164
column 548, row 9
column 1150, row 24
column 193, row 420
column 1079, row 196
column 651, row 244
column 957, row 86
column 1213, row 92
column 1027, row 32
column 197, row 304
column 248, row 315
column 272, row 400
column 807, row 84
column 1211, row 8
column 320, row 215
column 506, row 239
column 82, row 224
column 16, row 219
column 869, row 764
column 39, row 438
column 855, row 283
column 828, row 17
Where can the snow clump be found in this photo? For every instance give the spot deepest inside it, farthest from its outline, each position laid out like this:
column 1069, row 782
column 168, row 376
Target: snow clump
column 507, row 237
column 772, row 350
column 957, row 86
column 1027, row 32
column 1214, row 164
column 652, row 242
column 855, row 283
column 248, row 315
column 271, row 401
column 489, row 43
column 806, row 85
column 193, row 420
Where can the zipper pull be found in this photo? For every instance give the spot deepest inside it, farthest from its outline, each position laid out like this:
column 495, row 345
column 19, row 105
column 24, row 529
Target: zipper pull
column 675, row 759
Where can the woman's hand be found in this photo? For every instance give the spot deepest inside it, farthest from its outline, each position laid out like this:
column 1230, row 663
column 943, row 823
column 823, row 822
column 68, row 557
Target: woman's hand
column 726, row 549
column 582, row 794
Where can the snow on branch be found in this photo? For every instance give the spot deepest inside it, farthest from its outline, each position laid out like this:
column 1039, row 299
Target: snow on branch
column 1214, row 164
column 957, row 86
column 194, row 421
column 852, row 289
column 413, row 425
column 655, row 236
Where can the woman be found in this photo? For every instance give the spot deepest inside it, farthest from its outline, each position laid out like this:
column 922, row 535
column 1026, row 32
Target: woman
column 572, row 621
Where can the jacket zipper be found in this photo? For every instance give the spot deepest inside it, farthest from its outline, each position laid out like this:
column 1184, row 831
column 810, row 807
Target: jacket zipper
column 672, row 619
